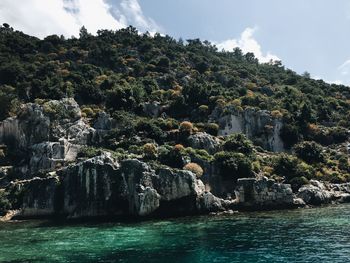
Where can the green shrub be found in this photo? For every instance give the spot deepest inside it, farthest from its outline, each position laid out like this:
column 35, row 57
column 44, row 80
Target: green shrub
column 298, row 182
column 186, row 128
column 172, row 156
column 211, row 128
column 310, row 152
column 290, row 167
column 234, row 165
column 89, row 152
column 238, row 143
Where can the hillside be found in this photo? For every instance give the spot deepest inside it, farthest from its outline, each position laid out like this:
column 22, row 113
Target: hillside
column 131, row 100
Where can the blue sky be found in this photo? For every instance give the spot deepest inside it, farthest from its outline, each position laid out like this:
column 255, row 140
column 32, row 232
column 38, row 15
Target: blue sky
column 307, row 35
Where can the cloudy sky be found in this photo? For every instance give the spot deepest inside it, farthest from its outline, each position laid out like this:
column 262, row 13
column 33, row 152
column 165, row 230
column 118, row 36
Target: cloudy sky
column 307, row 35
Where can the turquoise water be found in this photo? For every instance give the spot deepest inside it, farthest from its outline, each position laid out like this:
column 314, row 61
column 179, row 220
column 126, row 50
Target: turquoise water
column 304, row 235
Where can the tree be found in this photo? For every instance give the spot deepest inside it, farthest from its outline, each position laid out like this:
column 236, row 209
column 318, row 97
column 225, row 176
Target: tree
column 234, row 165
column 310, row 152
column 238, row 143
column 83, row 33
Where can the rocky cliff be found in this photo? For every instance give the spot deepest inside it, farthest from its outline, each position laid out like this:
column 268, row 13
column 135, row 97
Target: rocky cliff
column 50, row 179
column 258, row 125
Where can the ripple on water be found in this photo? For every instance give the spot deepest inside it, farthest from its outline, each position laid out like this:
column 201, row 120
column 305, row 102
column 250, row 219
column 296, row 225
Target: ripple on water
column 305, row 235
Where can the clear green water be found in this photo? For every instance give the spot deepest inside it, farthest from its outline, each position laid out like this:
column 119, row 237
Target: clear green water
column 304, row 235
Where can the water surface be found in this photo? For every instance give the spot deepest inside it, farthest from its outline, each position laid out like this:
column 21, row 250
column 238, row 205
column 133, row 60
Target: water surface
column 303, row 235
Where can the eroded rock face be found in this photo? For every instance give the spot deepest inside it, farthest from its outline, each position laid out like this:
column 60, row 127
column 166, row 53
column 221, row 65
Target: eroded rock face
column 31, row 127
column 101, row 186
column 51, row 133
column 202, row 140
column 39, row 199
column 254, row 124
column 263, row 193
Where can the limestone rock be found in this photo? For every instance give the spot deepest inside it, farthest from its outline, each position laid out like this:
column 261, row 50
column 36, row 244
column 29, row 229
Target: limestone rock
column 202, row 140
column 263, row 193
column 31, row 127
column 318, row 193
column 254, row 124
column 39, row 199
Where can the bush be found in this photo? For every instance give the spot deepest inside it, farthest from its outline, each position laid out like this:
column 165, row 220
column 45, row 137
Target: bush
column 310, row 152
column 238, row 143
column 186, row 127
column 194, row 168
column 211, row 128
column 290, row 167
column 172, row 156
column 234, row 165
column 150, row 150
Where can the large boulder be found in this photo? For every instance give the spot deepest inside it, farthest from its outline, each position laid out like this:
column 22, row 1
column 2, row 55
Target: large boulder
column 202, row 140
column 261, row 193
column 318, row 193
column 315, row 193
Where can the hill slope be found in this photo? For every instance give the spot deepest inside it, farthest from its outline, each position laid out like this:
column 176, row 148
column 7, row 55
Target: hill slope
column 221, row 115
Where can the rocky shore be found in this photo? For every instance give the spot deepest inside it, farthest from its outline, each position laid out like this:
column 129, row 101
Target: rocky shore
column 55, row 182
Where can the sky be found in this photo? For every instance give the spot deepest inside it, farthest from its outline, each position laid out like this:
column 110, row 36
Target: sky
column 306, row 35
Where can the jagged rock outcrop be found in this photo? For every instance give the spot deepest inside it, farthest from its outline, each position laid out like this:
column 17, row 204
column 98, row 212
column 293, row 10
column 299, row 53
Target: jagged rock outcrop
column 257, row 125
column 202, row 140
column 29, row 128
column 263, row 193
column 102, row 186
column 318, row 193
column 51, row 134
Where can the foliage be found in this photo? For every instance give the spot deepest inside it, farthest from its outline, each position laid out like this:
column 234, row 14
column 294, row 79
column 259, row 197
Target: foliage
column 291, row 167
column 150, row 150
column 194, row 168
column 238, row 143
column 234, row 165
column 310, row 152
column 186, row 127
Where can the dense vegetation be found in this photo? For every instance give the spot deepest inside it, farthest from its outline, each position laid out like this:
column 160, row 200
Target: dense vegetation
column 119, row 71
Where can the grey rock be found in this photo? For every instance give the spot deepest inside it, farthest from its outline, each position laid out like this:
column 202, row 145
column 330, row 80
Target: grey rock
column 39, row 198
column 29, row 128
column 262, row 192
column 202, row 140
column 153, row 109
column 317, row 193
column 254, row 124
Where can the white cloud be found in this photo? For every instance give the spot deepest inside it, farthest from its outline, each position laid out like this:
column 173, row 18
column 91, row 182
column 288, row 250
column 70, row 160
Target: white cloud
column 247, row 43
column 337, row 82
column 132, row 11
column 45, row 17
column 345, row 68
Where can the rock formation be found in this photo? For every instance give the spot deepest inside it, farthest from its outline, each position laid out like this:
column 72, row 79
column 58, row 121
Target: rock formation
column 258, row 125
